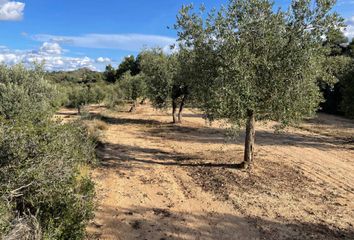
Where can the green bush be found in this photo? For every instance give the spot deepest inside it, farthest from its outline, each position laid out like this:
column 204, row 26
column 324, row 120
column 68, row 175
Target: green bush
column 114, row 97
column 83, row 95
column 40, row 176
column 133, row 87
column 44, row 193
column 26, row 94
column 5, row 216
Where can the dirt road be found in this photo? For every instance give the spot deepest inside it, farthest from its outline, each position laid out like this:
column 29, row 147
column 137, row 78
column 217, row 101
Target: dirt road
column 161, row 181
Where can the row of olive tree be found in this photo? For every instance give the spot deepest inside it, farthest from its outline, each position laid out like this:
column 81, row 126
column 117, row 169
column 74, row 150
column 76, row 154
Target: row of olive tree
column 168, row 78
column 251, row 62
column 43, row 193
column 339, row 94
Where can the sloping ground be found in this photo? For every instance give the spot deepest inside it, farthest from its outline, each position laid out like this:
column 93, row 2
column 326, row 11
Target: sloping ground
column 160, row 181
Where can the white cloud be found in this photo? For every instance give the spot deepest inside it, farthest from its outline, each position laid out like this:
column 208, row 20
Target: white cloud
column 349, row 31
column 103, row 60
column 129, row 42
column 11, row 10
column 50, row 48
column 52, row 56
column 9, row 58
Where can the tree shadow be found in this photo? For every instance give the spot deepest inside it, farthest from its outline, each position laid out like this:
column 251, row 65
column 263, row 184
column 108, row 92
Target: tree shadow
column 169, row 224
column 67, row 113
column 211, row 135
column 116, row 155
column 123, row 121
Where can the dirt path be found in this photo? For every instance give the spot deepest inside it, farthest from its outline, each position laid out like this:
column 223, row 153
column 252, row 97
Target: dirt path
column 145, row 194
column 160, row 181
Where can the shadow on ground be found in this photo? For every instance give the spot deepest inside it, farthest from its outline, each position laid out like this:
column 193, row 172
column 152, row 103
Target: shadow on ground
column 203, row 134
column 114, row 155
column 167, row 224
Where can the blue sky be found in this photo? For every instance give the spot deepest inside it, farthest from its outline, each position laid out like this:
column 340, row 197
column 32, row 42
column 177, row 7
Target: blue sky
column 69, row 34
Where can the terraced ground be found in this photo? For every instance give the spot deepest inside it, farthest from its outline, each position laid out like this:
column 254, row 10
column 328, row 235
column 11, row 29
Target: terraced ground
column 161, row 181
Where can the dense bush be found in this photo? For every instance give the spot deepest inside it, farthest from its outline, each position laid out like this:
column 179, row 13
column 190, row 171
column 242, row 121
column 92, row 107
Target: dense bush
column 114, row 96
column 39, row 175
column 26, row 94
column 132, row 87
column 45, row 194
column 79, row 96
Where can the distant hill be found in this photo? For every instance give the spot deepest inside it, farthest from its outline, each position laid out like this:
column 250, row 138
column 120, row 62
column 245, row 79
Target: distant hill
column 80, row 75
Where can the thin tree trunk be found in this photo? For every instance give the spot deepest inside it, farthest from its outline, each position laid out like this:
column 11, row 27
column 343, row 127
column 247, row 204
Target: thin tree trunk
column 133, row 107
column 79, row 110
column 181, row 109
column 174, row 107
column 142, row 102
column 249, row 139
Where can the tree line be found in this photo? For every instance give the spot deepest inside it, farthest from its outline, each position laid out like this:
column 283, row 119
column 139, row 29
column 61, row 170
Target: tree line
column 248, row 62
column 242, row 63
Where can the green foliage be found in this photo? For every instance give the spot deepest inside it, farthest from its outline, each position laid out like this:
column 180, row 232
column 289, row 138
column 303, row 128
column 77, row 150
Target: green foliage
column 129, row 64
column 169, row 78
column 133, row 87
column 338, row 65
column 249, row 58
column 114, row 96
column 347, row 105
column 351, row 48
column 39, row 175
column 77, row 76
column 158, row 69
column 110, row 74
column 43, row 190
column 80, row 95
column 26, row 94
column 335, row 42
column 5, row 217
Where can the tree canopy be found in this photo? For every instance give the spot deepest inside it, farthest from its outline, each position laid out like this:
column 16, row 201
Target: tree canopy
column 253, row 62
column 168, row 79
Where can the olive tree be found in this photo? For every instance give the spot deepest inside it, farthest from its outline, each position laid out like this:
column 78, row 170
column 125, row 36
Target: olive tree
column 80, row 96
column 166, row 80
column 133, row 88
column 254, row 63
column 347, row 104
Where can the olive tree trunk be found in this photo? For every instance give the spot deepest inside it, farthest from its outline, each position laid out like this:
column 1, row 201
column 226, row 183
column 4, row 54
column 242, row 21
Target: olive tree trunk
column 143, row 101
column 133, row 107
column 174, row 108
column 79, row 110
column 181, row 109
column 249, row 139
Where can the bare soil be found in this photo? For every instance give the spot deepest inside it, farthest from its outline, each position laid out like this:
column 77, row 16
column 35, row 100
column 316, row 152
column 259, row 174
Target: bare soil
column 162, row 181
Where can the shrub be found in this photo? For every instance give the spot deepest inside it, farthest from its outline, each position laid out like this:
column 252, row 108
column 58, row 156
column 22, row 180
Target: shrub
column 26, row 94
column 5, row 216
column 83, row 95
column 44, row 195
column 40, row 176
column 114, row 97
